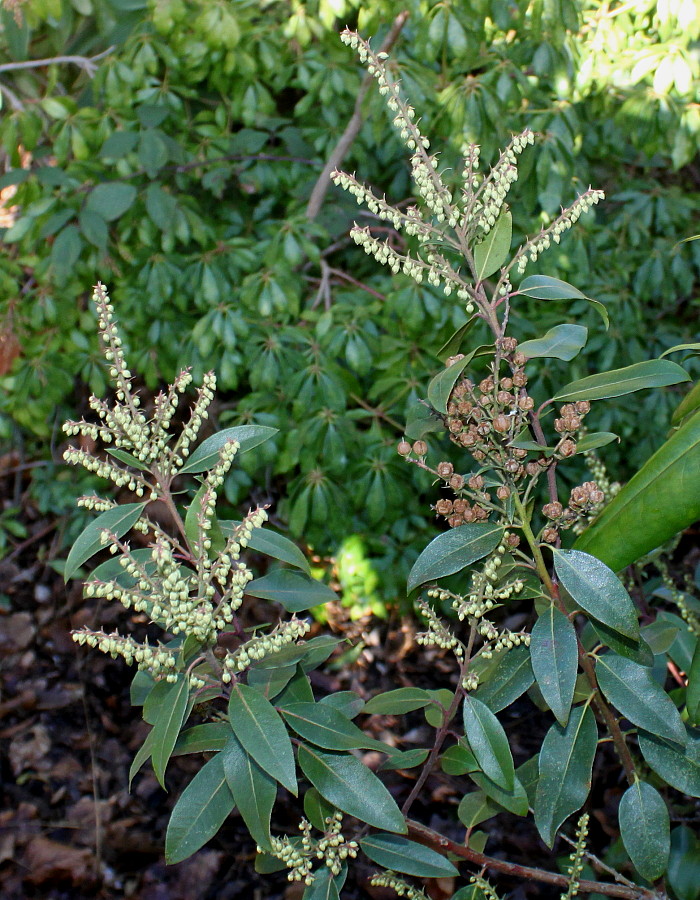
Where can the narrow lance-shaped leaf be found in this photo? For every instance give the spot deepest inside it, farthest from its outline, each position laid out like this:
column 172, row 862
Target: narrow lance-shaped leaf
column 488, row 742
column 507, row 680
column 296, row 591
column 207, row 454
column 261, row 731
column 166, row 728
column 272, row 544
column 397, row 702
column 452, row 551
column 254, row 791
column 561, row 342
column 544, row 287
column 645, row 829
column 349, row 785
column 633, row 690
column 326, row 727
column 597, row 590
column 200, row 811
column 399, row 854
column 554, row 651
column 441, row 385
column 678, row 766
column 565, row 766
column 494, row 250
column 618, row 382
column 117, row 521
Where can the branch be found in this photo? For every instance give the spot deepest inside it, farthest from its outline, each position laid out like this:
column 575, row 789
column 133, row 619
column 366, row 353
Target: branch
column 83, row 62
column 352, row 129
column 444, row 845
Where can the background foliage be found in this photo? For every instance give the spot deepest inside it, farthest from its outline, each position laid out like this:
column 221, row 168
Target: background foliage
column 180, row 175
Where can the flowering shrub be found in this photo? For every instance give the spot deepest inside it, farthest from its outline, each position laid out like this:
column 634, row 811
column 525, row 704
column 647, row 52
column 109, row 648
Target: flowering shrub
column 578, row 649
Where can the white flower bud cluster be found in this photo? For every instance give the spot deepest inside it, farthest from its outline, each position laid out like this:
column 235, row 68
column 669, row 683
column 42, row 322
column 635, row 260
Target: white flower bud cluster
column 410, row 220
column 298, row 859
column 263, row 645
column 164, row 408
column 576, row 860
column 387, row 256
column 437, row 197
column 333, row 849
column 200, row 412
column 398, row 885
column 437, row 634
column 159, row 661
column 95, row 503
column 509, row 639
column 470, row 682
column 485, row 888
column 530, row 251
column 207, row 509
column 105, row 469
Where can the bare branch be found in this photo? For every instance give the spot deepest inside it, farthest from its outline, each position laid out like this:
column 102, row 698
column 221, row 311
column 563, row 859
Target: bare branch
column 83, row 62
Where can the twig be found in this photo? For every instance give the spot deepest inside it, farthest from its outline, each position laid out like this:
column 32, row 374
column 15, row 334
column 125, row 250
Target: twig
column 84, row 62
column 352, row 129
column 444, row 845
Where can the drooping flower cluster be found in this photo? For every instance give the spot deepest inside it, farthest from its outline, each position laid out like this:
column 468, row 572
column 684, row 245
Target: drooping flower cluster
column 398, row 885
column 576, row 860
column 299, row 855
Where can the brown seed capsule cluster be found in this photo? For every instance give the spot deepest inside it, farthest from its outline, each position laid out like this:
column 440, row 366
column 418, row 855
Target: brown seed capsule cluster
column 460, row 511
column 569, row 422
column 584, row 498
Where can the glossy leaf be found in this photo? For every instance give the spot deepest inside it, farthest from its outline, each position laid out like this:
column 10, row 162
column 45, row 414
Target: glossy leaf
column 645, row 829
column 272, row 544
column 349, row 785
column 254, row 791
column 440, row 387
column 514, row 800
column 406, row 759
column 295, row 591
column 595, row 439
column 207, row 454
column 689, row 404
column 261, row 731
column 507, row 679
column 271, row 682
column 399, row 854
column 494, row 250
column 348, row 703
column 327, row 727
column 325, row 886
column 634, row 691
column 649, row 374
column 453, row 551
column 453, row 344
column 167, row 725
column 694, row 346
column 458, row 760
column 475, row 808
column 488, row 742
column 561, row 342
column 117, row 520
column 316, row 809
column 111, row 199
column 658, row 502
column 209, row 737
column 199, row 813
column 397, row 702
column 543, row 287
column 565, row 767
column 638, row 651
column 554, row 652
column 678, row 766
column 692, row 694
column 142, row 754
column 597, row 590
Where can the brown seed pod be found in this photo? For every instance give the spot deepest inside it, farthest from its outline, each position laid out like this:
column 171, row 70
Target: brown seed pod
column 503, row 492
column 553, row 510
column 420, row 448
column 455, row 521
column 549, row 535
column 460, row 505
column 457, row 482
column 404, row 448
column 445, row 469
column 443, row 507
column 476, row 482
column 567, row 448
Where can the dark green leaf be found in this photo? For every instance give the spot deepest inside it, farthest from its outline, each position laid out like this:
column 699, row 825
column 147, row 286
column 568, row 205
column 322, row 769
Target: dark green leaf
column 111, row 199
column 645, row 829
column 325, row 886
column 475, row 808
column 561, row 342
column 143, row 754
column 694, row 346
column 494, row 250
column 272, row 544
column 209, row 737
column 207, row 454
column 199, row 813
column 271, row 682
column 639, row 376
column 348, row 703
column 117, row 521
column 457, row 760
column 407, row 759
column 542, row 287
column 397, row 702
column 401, row 855
column 349, row 785
column 327, row 727
column 692, row 695
column 679, row 767
column 254, row 791
column 452, row 345
column 440, row 387
column 554, row 652
column 261, row 731
column 638, row 651
column 594, row 440
column 167, row 725
column 596, row 589
column 565, row 766
column 119, row 144
column 127, row 458
column 634, row 691
column 488, row 742
column 295, row 591
column 316, row 809
column 514, row 801
column 659, row 501
column 506, row 679
column 453, row 551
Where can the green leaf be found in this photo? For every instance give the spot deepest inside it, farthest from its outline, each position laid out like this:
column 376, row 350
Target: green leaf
column 111, row 199
column 561, row 342
column 488, row 742
column 348, row 703
column 633, row 690
column 457, row 760
column 272, row 544
column 350, row 786
column 688, row 405
column 441, row 385
column 143, row 754
column 494, row 250
column 328, row 728
column 161, row 207
column 254, row 791
column 638, row 651
column 597, row 590
column 127, row 458
column 397, row 702
column 658, row 502
column 639, row 376
column 542, row 287
column 695, row 346
column 692, row 694
column 261, row 731
column 296, row 591
column 594, row 440
column 507, row 679
column 117, row 521
column 679, row 767
column 475, row 808
column 453, row 551
column 565, row 766
column 407, row 759
column 94, row 228
column 167, row 725
column 514, row 801
column 271, row 682
column 209, row 737
column 199, row 813
column 207, row 454
column 118, row 144
column 152, row 152
column 452, row 345
column 325, row 886
column 645, row 829
column 554, row 652
column 401, row 855
column 316, row 809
